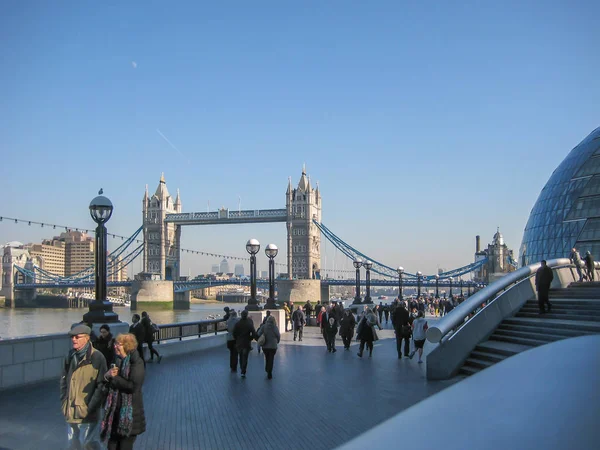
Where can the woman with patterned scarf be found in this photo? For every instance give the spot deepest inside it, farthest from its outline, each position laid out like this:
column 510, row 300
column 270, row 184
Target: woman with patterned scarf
column 124, row 408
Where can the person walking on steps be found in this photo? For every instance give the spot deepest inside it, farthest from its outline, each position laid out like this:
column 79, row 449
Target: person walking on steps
column 543, row 280
column 150, row 328
column 589, row 264
column 419, row 327
column 576, row 260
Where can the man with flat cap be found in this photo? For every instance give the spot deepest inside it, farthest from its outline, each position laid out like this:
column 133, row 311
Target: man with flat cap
column 81, row 390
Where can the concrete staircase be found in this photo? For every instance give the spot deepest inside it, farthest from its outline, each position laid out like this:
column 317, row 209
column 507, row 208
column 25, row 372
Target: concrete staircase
column 575, row 312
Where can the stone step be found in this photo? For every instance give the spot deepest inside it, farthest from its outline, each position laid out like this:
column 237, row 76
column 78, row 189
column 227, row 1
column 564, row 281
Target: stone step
column 518, row 340
column 487, row 356
column 567, row 333
column 478, row 363
column 593, row 327
column 552, row 315
column 558, row 310
column 584, row 302
column 575, row 294
column 585, row 285
column 540, row 336
column 501, row 348
column 468, row 370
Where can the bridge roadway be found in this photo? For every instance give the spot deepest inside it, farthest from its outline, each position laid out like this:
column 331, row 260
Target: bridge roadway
column 316, row 400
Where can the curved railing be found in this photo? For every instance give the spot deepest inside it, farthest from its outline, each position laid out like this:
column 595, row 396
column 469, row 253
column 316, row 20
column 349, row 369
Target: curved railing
column 485, row 296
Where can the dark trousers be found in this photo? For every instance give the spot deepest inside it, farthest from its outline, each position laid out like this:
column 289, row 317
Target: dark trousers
column 347, row 339
column 399, row 338
column 330, row 341
column 233, row 355
column 269, row 358
column 122, row 443
column 153, row 351
column 140, row 350
column 387, row 316
column 298, row 332
column 244, row 352
column 543, row 299
column 362, row 346
column 591, row 275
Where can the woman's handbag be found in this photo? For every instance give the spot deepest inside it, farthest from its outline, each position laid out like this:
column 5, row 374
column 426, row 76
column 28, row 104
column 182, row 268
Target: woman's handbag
column 262, row 340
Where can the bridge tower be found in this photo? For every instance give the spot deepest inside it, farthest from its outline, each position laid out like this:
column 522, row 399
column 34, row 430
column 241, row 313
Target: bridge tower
column 161, row 240
column 303, row 204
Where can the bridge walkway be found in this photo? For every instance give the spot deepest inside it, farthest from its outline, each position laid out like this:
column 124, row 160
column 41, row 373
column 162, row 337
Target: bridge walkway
column 316, row 400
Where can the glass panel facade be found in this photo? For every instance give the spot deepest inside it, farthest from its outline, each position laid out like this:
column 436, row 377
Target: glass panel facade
column 567, row 212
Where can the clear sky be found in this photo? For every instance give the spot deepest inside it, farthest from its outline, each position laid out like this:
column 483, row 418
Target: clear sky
column 426, row 123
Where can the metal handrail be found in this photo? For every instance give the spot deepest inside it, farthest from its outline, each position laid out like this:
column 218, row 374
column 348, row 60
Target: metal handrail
column 458, row 315
column 182, row 330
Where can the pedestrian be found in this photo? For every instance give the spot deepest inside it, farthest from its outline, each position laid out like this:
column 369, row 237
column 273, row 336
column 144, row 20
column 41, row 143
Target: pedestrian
column 298, row 320
column 590, row 266
column 379, row 311
column 81, row 389
column 244, row 333
column 233, row 353
column 227, row 313
column 347, row 325
column 149, row 330
column 124, row 419
column 366, row 332
column 331, row 329
column 419, row 327
column 137, row 329
column 272, row 337
column 386, row 312
column 106, row 344
column 308, row 309
column 576, row 260
column 402, row 329
column 288, row 314
column 543, row 280
column 325, row 316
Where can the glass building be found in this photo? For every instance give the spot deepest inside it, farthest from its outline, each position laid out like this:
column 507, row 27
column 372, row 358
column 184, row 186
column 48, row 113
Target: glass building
column 567, row 212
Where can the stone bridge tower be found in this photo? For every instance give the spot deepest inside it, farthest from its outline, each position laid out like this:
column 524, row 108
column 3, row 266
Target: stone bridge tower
column 161, row 240
column 303, row 204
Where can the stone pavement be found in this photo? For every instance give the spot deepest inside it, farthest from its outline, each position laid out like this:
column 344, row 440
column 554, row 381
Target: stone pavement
column 316, row 400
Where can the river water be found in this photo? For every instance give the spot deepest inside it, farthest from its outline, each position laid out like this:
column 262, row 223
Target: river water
column 32, row 321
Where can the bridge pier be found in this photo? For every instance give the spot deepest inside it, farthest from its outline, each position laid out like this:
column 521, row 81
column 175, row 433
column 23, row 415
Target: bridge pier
column 181, row 300
column 151, row 294
column 298, row 291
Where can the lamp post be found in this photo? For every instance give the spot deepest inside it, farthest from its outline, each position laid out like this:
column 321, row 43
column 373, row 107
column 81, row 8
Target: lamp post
column 450, row 280
column 271, row 252
column 368, row 264
column 400, row 271
column 469, row 288
column 437, row 280
column 252, row 247
column 357, row 265
column 419, row 284
column 461, row 286
column 101, row 310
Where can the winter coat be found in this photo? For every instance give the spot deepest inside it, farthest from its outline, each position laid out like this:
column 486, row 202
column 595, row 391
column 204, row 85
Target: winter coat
column 244, row 333
column 133, row 385
column 543, row 278
column 81, row 386
column 347, row 325
column 400, row 319
column 298, row 318
column 139, row 332
column 106, row 347
column 331, row 326
column 230, row 326
column 272, row 335
column 366, row 328
column 148, row 330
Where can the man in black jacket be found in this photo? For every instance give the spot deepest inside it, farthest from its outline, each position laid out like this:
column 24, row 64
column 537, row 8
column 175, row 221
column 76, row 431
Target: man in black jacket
column 244, row 333
column 402, row 330
column 298, row 320
column 543, row 280
column 137, row 329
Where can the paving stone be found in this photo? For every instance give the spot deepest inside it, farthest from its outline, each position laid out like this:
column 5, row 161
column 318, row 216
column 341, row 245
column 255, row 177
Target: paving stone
column 316, row 400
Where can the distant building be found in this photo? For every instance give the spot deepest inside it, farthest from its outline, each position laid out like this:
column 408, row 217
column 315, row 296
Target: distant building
column 215, row 268
column 500, row 259
column 224, row 266
column 239, row 270
column 79, row 251
column 264, row 274
column 50, row 254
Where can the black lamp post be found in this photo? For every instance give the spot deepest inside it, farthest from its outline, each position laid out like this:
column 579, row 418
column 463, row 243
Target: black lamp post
column 419, row 274
column 400, row 271
column 368, row 264
column 469, row 287
column 101, row 310
column 437, row 280
column 450, row 280
column 357, row 265
column 461, row 287
column 271, row 252
column 252, row 247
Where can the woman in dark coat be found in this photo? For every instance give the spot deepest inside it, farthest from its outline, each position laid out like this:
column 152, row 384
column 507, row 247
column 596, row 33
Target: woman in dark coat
column 366, row 331
column 272, row 337
column 149, row 336
column 105, row 344
column 347, row 325
column 124, row 417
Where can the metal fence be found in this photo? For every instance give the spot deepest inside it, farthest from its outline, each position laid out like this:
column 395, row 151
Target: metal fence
column 183, row 330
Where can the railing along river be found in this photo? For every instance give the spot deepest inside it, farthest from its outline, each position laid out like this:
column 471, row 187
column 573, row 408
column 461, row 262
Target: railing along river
column 171, row 331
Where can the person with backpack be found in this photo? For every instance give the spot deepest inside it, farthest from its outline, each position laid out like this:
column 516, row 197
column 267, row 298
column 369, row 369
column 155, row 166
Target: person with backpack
column 149, row 330
column 366, row 332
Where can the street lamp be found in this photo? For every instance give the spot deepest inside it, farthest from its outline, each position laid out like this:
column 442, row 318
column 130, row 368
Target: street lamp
column 469, row 283
column 437, row 280
column 271, row 252
column 400, row 271
column 419, row 284
column 368, row 264
column 357, row 265
column 252, row 247
column 101, row 310
column 450, row 280
column 461, row 286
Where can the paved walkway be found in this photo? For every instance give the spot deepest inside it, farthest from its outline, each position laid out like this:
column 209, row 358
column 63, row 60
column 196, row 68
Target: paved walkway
column 316, row 400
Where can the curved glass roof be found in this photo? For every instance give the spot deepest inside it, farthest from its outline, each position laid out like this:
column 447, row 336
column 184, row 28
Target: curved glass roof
column 567, row 212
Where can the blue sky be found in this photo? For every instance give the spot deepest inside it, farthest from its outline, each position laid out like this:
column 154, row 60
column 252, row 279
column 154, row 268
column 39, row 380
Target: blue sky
column 426, row 123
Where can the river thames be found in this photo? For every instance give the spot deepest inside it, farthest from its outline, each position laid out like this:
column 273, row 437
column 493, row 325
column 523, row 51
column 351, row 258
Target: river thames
column 34, row 321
